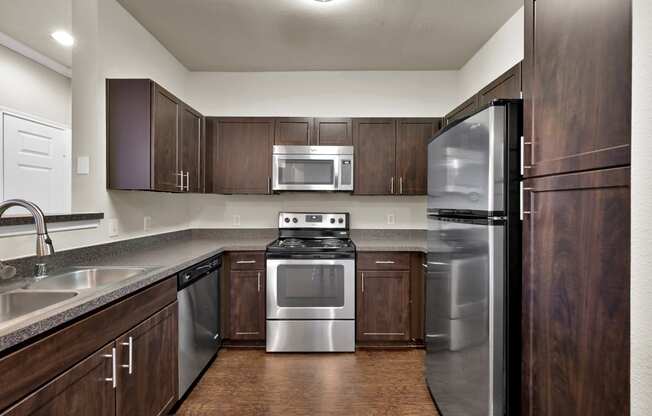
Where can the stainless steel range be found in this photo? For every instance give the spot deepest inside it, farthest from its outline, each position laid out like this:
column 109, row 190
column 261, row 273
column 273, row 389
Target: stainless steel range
column 311, row 284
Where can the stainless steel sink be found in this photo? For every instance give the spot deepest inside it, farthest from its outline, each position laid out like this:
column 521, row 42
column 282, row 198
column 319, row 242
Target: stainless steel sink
column 86, row 278
column 15, row 304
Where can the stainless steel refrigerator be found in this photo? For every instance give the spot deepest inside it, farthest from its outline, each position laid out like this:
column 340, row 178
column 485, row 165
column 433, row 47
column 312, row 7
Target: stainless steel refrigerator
column 473, row 279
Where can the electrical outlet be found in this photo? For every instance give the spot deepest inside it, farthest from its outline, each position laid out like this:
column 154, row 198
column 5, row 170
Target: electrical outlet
column 113, row 227
column 147, row 223
column 236, row 220
column 391, row 219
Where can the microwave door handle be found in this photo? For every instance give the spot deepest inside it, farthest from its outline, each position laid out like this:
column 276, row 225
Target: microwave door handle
column 336, row 172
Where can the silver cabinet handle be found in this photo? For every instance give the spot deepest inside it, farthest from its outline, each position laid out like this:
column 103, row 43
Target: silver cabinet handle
column 187, row 181
column 245, row 262
column 258, row 278
column 385, row 262
column 112, row 379
column 425, row 266
column 400, row 185
column 362, row 287
column 130, row 364
column 179, row 174
column 216, row 336
column 391, row 186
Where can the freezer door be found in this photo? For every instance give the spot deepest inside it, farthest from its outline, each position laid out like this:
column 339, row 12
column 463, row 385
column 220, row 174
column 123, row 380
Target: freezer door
column 466, row 165
column 465, row 344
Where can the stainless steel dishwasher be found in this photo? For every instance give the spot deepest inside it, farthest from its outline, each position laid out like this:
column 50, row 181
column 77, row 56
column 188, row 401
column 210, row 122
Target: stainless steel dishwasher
column 199, row 319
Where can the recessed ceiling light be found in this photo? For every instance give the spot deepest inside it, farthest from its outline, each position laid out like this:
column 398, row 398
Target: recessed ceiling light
column 63, row 37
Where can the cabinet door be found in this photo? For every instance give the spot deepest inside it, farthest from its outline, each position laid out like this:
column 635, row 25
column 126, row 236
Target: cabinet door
column 190, row 144
column 165, row 131
column 333, row 132
column 85, row 389
column 383, row 305
column 243, row 159
column 294, row 131
column 576, row 294
column 147, row 366
column 375, row 156
column 508, row 85
column 247, row 300
column 412, row 154
column 581, row 84
column 467, row 108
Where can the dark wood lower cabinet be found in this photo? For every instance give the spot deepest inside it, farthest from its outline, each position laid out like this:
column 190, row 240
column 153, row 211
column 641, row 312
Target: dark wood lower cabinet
column 147, row 371
column 247, row 305
column 383, row 305
column 83, row 390
column 576, row 294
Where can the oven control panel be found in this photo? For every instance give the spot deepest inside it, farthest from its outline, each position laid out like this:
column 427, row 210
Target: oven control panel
column 313, row 220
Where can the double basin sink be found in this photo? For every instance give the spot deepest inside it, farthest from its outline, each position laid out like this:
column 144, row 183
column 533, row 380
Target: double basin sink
column 58, row 288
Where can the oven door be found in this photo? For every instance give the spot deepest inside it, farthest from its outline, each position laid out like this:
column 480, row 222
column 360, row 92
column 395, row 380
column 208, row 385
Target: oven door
column 302, row 172
column 310, row 289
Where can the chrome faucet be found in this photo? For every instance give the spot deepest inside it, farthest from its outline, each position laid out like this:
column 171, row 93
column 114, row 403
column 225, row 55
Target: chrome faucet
column 43, row 242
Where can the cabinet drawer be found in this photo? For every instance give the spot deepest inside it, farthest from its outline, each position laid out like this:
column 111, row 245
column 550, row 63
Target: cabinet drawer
column 383, row 260
column 247, row 260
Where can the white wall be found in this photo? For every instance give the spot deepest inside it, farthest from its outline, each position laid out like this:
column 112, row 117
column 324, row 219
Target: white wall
column 641, row 281
column 502, row 51
column 34, row 89
column 324, row 93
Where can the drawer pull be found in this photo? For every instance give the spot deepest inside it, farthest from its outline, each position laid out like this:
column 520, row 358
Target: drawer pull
column 112, row 379
column 246, row 262
column 385, row 262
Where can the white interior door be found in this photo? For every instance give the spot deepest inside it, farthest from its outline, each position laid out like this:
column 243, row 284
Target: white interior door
column 36, row 164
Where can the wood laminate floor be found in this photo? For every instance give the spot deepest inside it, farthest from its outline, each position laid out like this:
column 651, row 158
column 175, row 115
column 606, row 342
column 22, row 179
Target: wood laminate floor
column 369, row 382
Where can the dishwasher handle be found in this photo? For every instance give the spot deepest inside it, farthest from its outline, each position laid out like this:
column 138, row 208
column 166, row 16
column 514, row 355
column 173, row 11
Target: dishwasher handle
column 198, row 271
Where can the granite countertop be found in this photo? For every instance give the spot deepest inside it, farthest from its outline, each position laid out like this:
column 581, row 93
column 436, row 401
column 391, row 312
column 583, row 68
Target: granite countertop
column 389, row 240
column 161, row 256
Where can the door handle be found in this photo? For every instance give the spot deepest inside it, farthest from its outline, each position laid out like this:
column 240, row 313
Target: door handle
column 187, row 181
column 391, row 186
column 362, row 287
column 179, row 174
column 130, row 364
column 258, row 278
column 245, row 262
column 385, row 262
column 112, row 379
column 400, row 185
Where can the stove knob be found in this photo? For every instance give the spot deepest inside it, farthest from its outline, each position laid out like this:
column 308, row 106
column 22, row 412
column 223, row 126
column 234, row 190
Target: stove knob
column 341, row 220
column 287, row 219
column 332, row 220
column 294, row 220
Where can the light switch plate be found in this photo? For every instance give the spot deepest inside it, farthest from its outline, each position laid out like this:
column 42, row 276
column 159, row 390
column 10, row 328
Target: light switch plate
column 391, row 219
column 83, row 165
column 147, row 223
column 236, row 220
column 113, row 227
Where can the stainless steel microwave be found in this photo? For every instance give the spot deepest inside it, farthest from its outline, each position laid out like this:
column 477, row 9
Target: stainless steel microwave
column 312, row 168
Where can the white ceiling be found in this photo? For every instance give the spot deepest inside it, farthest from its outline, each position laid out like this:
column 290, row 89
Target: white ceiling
column 32, row 21
column 285, row 35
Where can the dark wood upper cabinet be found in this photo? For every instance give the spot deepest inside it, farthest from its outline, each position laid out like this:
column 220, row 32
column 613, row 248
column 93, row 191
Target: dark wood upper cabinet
column 333, row 132
column 80, row 391
column 240, row 153
column 576, row 294
column 579, row 103
column 147, row 357
column 508, row 85
column 375, row 156
column 190, row 144
column 467, row 108
column 383, row 305
column 153, row 138
column 166, row 111
column 293, row 131
column 247, row 305
column 412, row 154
